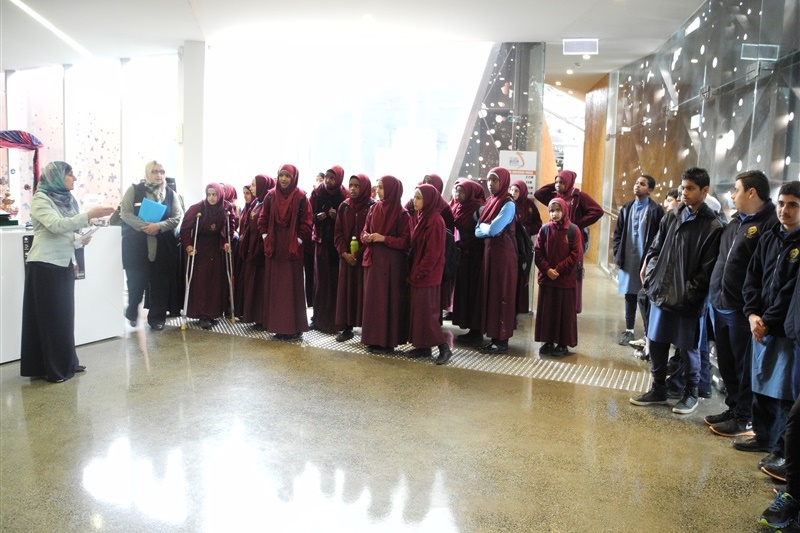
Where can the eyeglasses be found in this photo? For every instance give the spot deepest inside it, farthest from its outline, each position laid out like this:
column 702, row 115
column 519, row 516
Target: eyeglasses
column 154, row 171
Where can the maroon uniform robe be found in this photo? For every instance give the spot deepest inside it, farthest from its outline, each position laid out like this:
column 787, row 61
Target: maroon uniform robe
column 583, row 212
column 285, row 217
column 326, row 257
column 350, row 220
column 556, row 312
column 528, row 215
column 251, row 252
column 425, row 276
column 498, row 287
column 209, row 291
column 466, row 297
column 385, row 315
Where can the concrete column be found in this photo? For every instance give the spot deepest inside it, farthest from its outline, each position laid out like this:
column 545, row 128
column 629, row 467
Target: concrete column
column 191, row 95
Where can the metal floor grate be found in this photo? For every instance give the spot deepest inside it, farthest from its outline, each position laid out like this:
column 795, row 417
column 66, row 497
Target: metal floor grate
column 463, row 357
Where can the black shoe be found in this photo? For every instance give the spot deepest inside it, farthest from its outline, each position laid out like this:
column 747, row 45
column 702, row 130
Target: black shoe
column 688, row 403
column 495, row 347
column 722, row 417
column 294, row 336
column 312, row 324
column 445, row 353
column 771, row 458
column 158, row 326
column 205, row 324
column 59, row 380
column 750, row 444
column 655, row 396
column 782, row 511
column 373, row 348
column 705, row 394
column 547, row 348
column 776, row 470
column 735, row 427
column 447, row 315
column 625, row 338
column 560, row 350
column 345, row 335
column 80, row 368
column 131, row 318
column 419, row 353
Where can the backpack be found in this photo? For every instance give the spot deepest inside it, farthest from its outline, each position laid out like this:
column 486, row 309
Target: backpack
column 524, row 247
column 452, row 254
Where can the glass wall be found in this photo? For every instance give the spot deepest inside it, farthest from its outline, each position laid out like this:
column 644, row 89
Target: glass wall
column 82, row 113
column 383, row 108
column 721, row 94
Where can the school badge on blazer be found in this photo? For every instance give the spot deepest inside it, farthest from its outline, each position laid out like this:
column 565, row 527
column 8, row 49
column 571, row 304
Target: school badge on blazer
column 793, row 255
column 752, row 231
column 213, row 227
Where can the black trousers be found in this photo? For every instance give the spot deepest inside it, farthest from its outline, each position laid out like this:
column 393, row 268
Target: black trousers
column 156, row 282
column 48, row 322
column 770, row 419
column 732, row 331
column 792, row 451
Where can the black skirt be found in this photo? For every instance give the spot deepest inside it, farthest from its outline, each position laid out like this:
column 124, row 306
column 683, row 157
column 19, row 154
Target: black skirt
column 48, row 322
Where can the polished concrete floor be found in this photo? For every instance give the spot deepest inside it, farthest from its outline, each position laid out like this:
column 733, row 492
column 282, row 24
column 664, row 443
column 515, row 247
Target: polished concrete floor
column 202, row 431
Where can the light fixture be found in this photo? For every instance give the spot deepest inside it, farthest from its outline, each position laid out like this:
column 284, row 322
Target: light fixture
column 570, row 71
column 50, row 26
column 558, row 83
column 578, row 47
column 587, row 57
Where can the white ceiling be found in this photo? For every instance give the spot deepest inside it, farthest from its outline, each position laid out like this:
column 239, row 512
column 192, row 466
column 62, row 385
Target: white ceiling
column 627, row 29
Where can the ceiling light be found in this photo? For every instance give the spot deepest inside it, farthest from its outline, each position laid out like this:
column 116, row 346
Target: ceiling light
column 49, row 25
column 558, row 83
column 570, row 71
column 577, row 47
column 587, row 57
column 693, row 60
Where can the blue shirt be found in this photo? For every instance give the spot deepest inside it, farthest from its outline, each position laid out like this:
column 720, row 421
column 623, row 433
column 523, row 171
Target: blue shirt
column 503, row 219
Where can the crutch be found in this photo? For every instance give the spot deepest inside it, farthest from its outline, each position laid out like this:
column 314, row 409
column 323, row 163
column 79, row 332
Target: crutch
column 189, row 272
column 229, row 265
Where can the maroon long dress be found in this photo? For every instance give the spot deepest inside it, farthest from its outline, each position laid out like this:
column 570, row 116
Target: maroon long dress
column 385, row 315
column 528, row 215
column 498, row 286
column 326, row 258
column 466, row 297
column 556, row 312
column 209, row 291
column 238, row 258
column 445, row 210
column 350, row 220
column 425, row 276
column 252, row 253
column 285, row 218
column 583, row 212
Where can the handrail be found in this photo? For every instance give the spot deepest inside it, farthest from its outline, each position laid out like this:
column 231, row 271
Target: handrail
column 612, row 215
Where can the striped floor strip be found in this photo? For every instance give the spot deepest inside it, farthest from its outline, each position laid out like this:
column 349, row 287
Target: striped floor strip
column 464, row 357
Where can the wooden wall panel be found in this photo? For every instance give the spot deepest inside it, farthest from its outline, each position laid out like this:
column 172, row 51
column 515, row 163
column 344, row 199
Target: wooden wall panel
column 594, row 154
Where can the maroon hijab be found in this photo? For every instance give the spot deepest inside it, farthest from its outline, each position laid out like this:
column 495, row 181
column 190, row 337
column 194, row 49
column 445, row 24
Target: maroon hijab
column 214, row 215
column 565, row 221
column 569, row 178
column 338, row 173
column 474, row 197
column 430, row 209
column 284, row 211
column 436, row 181
column 264, row 184
column 385, row 212
column 495, row 203
column 364, row 193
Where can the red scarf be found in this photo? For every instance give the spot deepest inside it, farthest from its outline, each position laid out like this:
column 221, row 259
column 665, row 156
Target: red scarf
column 430, row 205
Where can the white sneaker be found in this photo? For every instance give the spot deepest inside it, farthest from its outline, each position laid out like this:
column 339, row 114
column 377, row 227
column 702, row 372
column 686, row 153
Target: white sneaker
column 639, row 343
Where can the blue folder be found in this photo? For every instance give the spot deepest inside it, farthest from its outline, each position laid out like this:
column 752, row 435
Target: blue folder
column 151, row 211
